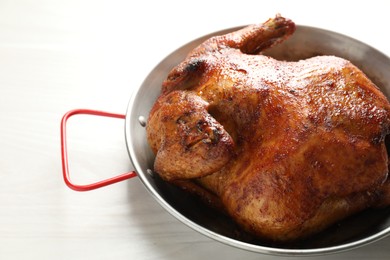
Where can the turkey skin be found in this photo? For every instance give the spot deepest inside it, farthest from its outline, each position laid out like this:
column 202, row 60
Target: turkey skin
column 286, row 149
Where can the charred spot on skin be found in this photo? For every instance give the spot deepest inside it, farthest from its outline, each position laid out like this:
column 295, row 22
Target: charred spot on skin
column 186, row 74
column 212, row 132
column 195, row 66
column 214, row 135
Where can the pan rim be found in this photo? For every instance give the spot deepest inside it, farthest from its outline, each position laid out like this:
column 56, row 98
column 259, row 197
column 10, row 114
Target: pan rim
column 130, row 134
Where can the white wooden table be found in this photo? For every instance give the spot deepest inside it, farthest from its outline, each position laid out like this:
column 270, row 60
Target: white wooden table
column 60, row 55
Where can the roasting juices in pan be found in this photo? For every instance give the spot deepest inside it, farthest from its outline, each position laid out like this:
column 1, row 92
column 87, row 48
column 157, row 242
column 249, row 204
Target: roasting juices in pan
column 286, row 149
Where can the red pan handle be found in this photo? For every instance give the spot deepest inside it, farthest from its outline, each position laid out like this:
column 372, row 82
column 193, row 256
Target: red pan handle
column 64, row 153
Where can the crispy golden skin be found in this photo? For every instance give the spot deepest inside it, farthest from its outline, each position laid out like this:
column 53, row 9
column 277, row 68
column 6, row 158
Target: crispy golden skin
column 288, row 148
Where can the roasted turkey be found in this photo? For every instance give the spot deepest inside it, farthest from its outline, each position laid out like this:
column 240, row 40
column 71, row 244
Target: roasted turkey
column 284, row 148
